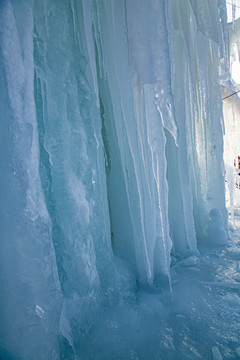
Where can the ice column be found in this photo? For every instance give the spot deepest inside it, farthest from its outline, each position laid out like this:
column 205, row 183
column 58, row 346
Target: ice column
column 198, row 33
column 231, row 106
column 133, row 70
column 56, row 256
column 31, row 301
column 72, row 168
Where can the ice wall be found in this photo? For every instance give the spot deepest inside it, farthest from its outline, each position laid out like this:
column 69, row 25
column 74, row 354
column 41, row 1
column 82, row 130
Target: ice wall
column 231, row 113
column 198, row 34
column 111, row 139
column 56, row 248
column 31, row 298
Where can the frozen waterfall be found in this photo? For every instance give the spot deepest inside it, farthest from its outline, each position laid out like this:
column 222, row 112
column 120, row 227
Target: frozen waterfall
column 111, row 165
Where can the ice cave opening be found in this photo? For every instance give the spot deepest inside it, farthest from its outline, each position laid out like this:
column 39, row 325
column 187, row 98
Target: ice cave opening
column 120, row 185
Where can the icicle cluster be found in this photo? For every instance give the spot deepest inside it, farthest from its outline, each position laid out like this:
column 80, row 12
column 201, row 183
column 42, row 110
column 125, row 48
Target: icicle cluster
column 111, row 147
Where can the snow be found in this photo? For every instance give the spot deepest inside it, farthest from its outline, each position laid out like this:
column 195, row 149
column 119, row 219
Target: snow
column 114, row 229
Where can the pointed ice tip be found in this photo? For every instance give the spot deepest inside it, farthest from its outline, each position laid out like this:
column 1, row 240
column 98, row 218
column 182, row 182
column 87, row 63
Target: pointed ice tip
column 216, row 355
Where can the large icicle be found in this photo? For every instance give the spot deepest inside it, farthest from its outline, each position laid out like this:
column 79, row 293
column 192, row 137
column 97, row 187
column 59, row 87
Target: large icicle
column 197, row 100
column 231, row 106
column 71, row 158
column 135, row 114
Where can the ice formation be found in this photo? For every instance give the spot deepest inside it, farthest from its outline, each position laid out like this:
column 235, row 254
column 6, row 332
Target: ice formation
column 111, row 159
column 231, row 103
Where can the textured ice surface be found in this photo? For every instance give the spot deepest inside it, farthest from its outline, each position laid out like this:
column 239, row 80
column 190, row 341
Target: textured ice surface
column 231, row 111
column 111, row 161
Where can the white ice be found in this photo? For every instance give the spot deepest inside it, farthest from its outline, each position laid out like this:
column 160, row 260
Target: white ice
column 114, row 229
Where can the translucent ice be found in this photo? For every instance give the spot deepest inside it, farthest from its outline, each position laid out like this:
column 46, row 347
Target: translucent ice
column 111, row 159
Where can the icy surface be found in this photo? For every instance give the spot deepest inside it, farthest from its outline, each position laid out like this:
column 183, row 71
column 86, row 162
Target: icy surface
column 112, row 169
column 201, row 322
column 231, row 111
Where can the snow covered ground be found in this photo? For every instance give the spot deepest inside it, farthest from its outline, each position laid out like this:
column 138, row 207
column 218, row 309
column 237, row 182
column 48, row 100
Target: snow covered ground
column 199, row 320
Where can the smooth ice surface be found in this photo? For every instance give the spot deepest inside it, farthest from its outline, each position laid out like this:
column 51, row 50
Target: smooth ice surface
column 112, row 173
